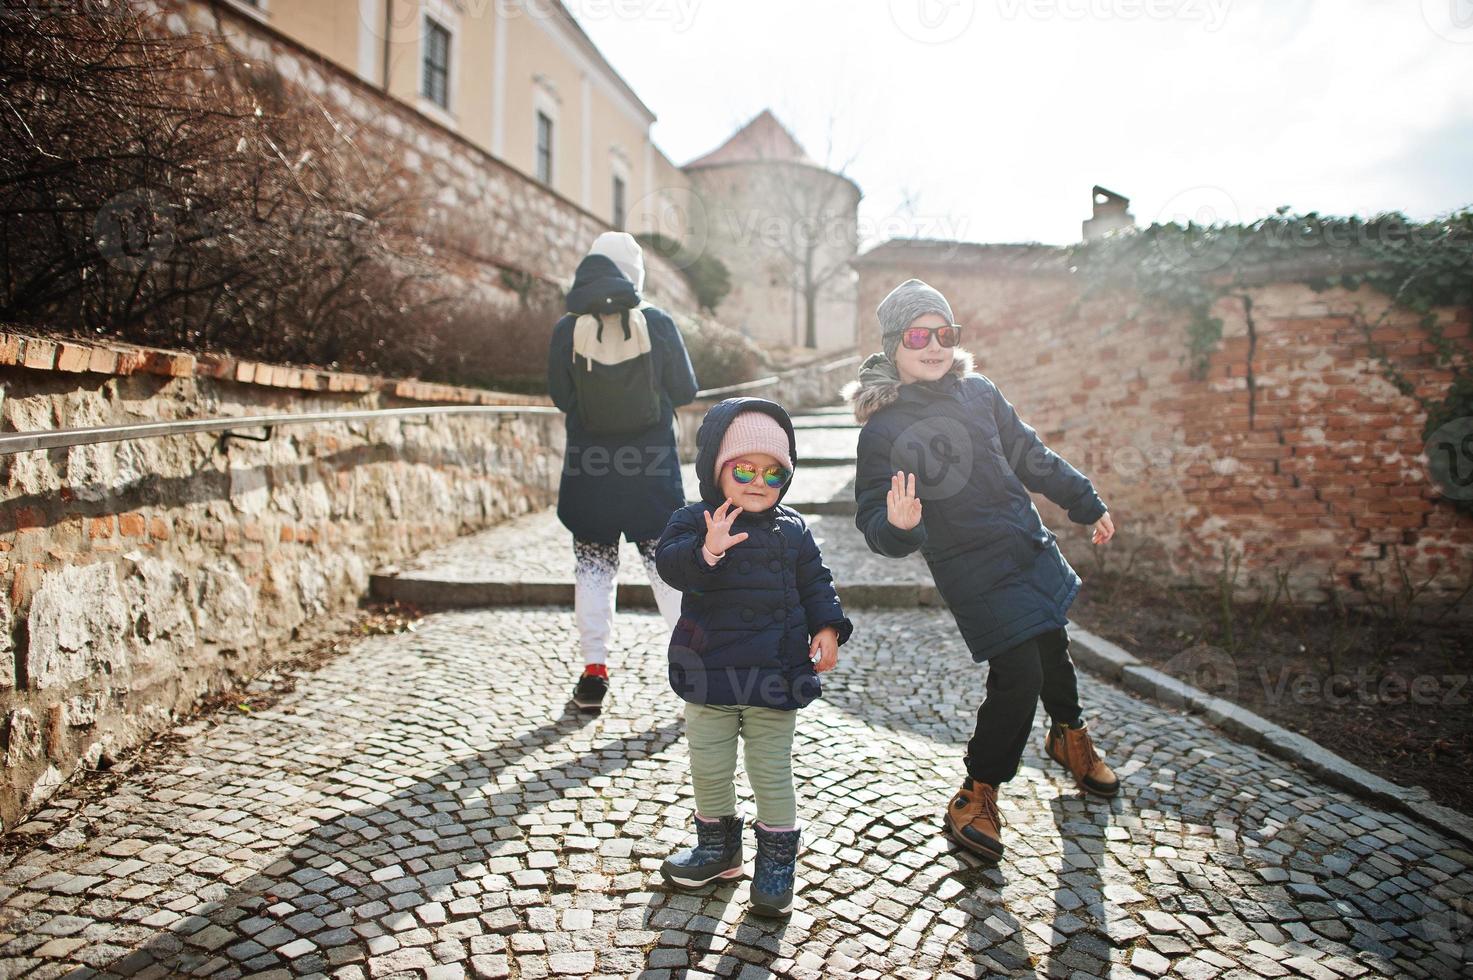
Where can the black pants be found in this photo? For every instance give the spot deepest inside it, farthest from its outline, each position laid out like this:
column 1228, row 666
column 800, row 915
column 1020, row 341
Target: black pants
column 1039, row 667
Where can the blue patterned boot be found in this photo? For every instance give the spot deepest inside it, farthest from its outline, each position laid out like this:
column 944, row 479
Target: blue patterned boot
column 772, row 878
column 717, row 854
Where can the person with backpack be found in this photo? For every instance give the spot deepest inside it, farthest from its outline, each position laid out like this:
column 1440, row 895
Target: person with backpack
column 618, row 369
column 946, row 466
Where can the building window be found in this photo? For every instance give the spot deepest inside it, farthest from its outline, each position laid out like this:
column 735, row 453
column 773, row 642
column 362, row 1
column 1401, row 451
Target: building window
column 544, row 147
column 437, row 63
column 619, row 203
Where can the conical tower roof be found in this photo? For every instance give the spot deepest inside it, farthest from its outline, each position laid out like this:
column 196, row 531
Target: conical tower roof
column 764, row 138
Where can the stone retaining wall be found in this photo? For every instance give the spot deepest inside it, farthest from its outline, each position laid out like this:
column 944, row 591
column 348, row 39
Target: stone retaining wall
column 141, row 576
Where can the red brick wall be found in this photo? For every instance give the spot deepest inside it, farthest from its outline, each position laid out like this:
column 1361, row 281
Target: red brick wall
column 1320, row 472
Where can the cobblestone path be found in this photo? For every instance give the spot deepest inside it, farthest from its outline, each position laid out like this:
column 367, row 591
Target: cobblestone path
column 427, row 806
column 538, row 548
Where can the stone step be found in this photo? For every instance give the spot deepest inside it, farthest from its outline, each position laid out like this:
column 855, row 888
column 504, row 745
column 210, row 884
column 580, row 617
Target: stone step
column 826, row 442
column 529, row 561
column 824, row 422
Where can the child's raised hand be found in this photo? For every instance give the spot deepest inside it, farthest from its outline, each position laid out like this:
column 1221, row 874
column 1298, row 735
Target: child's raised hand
column 824, row 650
column 1104, row 530
column 718, row 528
column 902, row 506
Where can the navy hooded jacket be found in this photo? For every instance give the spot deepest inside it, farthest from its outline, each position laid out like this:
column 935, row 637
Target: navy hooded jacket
column 995, row 563
column 628, row 483
column 747, row 621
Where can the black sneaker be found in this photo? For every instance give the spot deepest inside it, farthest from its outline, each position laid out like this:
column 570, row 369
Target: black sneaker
column 590, row 692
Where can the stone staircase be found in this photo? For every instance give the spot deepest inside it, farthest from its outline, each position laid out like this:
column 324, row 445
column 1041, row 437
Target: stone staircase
column 529, row 561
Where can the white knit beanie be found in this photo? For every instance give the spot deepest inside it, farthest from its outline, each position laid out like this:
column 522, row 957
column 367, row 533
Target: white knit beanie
column 753, row 432
column 621, row 248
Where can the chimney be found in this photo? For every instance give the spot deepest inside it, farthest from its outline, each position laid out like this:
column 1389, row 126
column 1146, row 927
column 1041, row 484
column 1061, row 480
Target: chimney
column 1111, row 213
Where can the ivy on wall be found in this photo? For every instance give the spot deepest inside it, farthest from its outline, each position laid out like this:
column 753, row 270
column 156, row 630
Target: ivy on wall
column 708, row 276
column 1419, row 265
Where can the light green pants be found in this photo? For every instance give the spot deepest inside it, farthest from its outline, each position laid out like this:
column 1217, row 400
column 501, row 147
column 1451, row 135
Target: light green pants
column 767, row 741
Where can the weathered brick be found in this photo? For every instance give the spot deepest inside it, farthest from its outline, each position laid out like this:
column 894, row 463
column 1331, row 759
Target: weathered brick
column 102, row 360
column 73, row 357
column 131, row 360
column 172, row 364
column 40, row 354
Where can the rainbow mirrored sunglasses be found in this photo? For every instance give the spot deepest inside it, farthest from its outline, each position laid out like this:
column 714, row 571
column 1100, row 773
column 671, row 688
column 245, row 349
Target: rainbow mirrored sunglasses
column 774, row 477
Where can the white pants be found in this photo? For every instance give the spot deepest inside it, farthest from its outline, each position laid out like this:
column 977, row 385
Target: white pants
column 595, row 586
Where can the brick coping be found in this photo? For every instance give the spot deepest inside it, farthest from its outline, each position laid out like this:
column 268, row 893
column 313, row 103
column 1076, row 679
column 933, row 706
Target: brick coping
column 118, row 358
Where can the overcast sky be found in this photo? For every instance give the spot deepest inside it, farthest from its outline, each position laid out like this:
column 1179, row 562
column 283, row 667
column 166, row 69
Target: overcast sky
column 990, row 120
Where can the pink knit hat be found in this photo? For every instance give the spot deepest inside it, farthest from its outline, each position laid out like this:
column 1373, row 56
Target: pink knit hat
column 753, row 432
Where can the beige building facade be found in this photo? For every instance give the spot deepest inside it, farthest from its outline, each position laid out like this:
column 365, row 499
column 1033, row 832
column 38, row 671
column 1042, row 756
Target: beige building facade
column 521, row 81
column 517, row 78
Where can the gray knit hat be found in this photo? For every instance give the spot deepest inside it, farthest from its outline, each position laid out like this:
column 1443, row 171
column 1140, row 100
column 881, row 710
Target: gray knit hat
column 899, row 310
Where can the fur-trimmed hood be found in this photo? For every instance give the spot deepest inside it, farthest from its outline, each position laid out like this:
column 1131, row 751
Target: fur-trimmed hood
column 878, row 384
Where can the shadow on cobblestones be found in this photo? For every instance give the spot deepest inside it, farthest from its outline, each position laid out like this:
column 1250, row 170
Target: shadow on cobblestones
column 394, row 866
column 425, row 807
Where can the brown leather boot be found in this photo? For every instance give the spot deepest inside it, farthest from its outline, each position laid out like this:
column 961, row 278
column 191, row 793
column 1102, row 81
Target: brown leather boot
column 1073, row 749
column 973, row 820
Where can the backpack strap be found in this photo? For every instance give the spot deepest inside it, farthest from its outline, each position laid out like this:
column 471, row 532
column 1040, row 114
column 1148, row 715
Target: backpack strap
column 589, row 341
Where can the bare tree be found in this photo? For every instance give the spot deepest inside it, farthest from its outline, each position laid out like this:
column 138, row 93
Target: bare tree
column 156, row 188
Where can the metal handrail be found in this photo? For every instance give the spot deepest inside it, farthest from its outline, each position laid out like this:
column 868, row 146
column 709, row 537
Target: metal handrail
column 20, row 442
column 770, row 380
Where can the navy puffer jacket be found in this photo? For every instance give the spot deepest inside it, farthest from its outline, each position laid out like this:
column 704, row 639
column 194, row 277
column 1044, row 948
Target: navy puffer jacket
column 618, row 484
column 746, row 622
column 995, row 563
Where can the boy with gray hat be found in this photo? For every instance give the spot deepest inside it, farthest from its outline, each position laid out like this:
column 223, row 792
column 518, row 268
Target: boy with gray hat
column 946, row 466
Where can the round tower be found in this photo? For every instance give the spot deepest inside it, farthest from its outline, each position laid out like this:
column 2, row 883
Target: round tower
column 786, row 229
